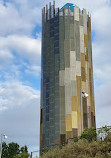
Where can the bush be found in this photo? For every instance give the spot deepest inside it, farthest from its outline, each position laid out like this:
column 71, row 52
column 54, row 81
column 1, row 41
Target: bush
column 89, row 134
column 86, row 146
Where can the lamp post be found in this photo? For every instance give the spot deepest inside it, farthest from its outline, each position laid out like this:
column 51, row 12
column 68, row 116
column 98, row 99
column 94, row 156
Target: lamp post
column 5, row 137
column 85, row 95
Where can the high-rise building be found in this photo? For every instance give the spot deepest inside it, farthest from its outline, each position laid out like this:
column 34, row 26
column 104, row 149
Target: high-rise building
column 66, row 74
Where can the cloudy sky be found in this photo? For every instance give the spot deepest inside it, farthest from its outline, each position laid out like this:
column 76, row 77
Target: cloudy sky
column 20, row 53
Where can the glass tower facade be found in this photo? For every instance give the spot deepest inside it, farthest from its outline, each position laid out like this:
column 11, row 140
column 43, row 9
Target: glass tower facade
column 66, row 69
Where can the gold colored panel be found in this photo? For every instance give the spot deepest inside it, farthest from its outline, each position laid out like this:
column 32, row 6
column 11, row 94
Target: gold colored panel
column 88, row 34
column 86, row 57
column 85, row 120
column 86, row 41
column 74, row 119
column 75, row 132
column 92, row 119
column 88, row 101
column 89, row 116
column 91, row 60
column 83, row 74
column 68, row 122
column 90, row 24
column 84, row 100
column 74, row 103
column 82, row 60
column 90, row 86
column 69, row 134
column 84, row 86
column 78, row 78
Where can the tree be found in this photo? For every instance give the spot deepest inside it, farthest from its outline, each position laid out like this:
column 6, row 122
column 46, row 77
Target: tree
column 89, row 134
column 13, row 150
column 4, row 150
column 104, row 132
column 24, row 149
column 108, row 138
column 22, row 155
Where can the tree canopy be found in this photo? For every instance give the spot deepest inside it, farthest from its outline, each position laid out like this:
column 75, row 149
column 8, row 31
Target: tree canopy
column 13, row 150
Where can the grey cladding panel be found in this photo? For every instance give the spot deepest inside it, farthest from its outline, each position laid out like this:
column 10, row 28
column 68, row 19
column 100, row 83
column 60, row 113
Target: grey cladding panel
column 61, row 42
column 67, row 27
column 72, row 43
column 67, row 46
column 67, row 60
column 71, row 31
column 77, row 40
column 71, row 19
column 81, row 19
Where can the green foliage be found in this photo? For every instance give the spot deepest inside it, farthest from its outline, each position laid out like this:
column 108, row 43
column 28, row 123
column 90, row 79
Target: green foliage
column 89, row 134
column 85, row 146
column 13, row 150
column 108, row 138
column 22, row 155
column 105, row 130
column 81, row 149
column 76, row 139
column 4, row 150
column 24, row 149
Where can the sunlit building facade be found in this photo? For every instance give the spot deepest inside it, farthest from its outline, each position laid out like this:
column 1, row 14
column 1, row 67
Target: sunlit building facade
column 67, row 70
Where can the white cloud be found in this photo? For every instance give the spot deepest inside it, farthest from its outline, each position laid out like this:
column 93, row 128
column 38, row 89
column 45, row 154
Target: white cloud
column 20, row 113
column 15, row 94
column 18, row 17
column 101, row 46
column 6, row 58
column 18, row 53
column 33, row 70
column 26, row 47
column 101, row 20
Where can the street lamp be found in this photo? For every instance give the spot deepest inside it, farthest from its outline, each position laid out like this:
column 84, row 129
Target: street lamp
column 5, row 137
column 85, row 95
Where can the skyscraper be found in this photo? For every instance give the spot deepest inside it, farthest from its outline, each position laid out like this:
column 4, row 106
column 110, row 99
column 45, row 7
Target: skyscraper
column 66, row 74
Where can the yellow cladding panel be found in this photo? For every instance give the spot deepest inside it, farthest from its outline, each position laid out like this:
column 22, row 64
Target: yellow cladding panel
column 78, row 103
column 86, row 58
column 89, row 35
column 78, row 97
column 90, row 24
column 91, row 59
column 82, row 60
column 86, row 41
column 74, row 103
column 83, row 74
column 84, row 86
column 74, row 119
column 68, row 122
column 89, row 100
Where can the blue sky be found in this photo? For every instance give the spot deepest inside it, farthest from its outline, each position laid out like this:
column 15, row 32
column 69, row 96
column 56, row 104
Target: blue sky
column 20, row 61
